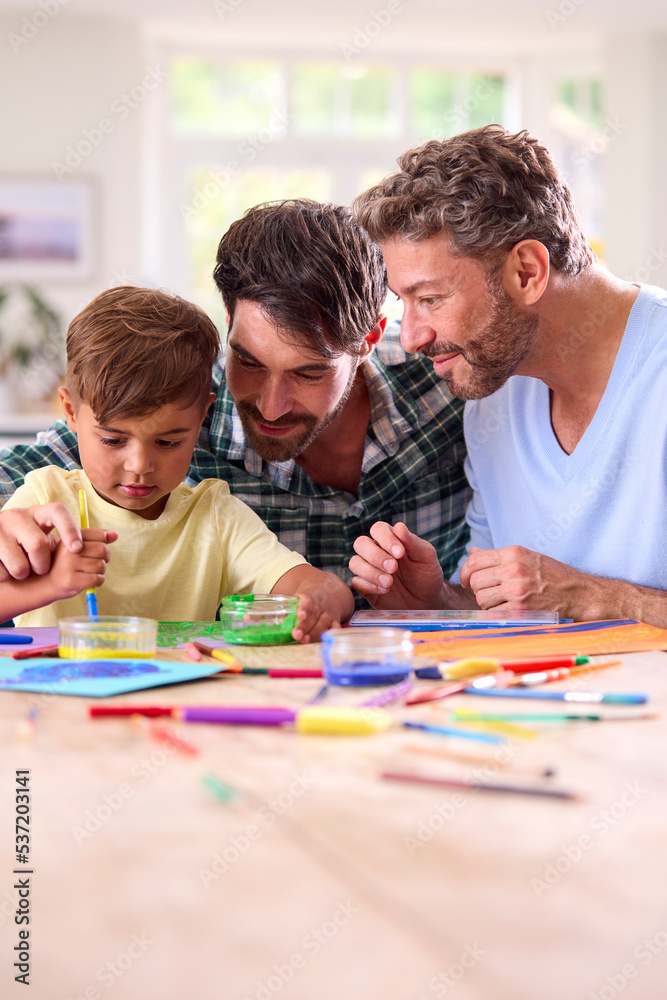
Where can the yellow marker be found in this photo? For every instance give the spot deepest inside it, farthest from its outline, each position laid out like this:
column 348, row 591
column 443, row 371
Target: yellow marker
column 342, row 721
column 468, row 667
column 91, row 597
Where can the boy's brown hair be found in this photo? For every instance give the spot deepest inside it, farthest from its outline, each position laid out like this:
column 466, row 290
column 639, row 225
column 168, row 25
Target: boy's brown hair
column 133, row 350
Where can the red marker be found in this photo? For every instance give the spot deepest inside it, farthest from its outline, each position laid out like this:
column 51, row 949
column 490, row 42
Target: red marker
column 151, row 711
column 545, row 663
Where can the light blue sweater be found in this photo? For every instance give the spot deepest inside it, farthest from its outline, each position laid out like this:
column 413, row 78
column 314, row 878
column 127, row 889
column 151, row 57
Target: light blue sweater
column 602, row 509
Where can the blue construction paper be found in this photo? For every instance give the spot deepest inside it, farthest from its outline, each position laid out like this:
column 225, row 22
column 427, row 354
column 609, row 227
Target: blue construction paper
column 96, row 678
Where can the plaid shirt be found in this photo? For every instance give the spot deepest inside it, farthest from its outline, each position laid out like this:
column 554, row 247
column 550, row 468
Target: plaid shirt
column 412, row 467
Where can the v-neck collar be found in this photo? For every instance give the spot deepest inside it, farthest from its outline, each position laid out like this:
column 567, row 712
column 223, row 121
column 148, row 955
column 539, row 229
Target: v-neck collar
column 568, row 465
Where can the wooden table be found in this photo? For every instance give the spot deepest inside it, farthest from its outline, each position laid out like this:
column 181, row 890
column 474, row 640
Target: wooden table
column 321, row 881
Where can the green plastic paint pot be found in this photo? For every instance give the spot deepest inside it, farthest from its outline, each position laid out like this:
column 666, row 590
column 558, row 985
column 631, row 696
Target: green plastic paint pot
column 258, row 619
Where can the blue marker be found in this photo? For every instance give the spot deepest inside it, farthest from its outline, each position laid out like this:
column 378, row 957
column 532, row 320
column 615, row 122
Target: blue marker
column 91, row 596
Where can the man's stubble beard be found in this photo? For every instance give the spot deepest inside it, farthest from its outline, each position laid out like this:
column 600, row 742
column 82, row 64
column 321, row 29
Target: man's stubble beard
column 497, row 352
column 280, row 449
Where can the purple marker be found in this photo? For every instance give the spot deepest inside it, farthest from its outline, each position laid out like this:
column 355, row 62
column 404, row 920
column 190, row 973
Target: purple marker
column 238, row 715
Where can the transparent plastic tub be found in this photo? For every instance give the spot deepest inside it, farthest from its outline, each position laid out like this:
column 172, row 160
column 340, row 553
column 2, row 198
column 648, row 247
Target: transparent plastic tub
column 107, row 636
column 365, row 656
column 258, row 619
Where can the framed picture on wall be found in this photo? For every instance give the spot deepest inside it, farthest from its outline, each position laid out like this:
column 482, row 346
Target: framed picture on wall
column 45, row 228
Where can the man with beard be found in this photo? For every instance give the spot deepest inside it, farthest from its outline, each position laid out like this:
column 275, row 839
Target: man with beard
column 320, row 423
column 565, row 370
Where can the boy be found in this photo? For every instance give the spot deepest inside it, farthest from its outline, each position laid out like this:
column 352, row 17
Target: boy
column 138, row 385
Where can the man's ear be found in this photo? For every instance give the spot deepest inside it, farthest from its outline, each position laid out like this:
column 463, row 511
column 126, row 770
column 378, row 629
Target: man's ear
column 68, row 408
column 372, row 339
column 525, row 272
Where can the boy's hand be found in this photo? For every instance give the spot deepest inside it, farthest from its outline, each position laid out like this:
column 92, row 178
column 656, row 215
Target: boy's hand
column 26, row 542
column 324, row 602
column 72, row 572
column 314, row 617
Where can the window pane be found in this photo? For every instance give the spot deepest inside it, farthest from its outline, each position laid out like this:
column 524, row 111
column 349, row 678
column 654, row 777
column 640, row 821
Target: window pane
column 314, row 98
column 486, row 95
column 431, row 99
column 235, row 98
column 580, row 145
column 371, row 107
column 328, row 99
column 581, row 99
column 220, row 205
column 444, row 103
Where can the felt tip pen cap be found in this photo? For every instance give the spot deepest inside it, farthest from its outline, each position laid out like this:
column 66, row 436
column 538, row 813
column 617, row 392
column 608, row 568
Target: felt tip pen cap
column 341, row 721
column 469, row 666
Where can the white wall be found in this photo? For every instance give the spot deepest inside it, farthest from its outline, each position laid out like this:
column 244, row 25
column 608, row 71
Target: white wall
column 636, row 89
column 66, row 79
column 60, row 83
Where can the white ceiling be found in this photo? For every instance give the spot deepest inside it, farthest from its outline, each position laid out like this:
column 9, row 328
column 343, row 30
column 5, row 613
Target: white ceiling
column 428, row 24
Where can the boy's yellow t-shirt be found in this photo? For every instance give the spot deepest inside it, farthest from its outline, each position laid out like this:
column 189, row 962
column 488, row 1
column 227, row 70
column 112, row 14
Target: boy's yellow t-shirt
column 205, row 544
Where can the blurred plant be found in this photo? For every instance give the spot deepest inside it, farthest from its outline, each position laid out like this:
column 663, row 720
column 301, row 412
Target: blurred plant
column 31, row 339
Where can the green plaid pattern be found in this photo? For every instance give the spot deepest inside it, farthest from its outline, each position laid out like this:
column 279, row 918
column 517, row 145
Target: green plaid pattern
column 412, row 467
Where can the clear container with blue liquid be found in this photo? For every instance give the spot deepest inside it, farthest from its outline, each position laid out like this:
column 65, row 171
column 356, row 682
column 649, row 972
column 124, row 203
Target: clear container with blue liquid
column 359, row 657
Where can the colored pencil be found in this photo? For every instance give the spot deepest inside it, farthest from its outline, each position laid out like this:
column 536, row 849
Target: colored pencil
column 192, row 651
column 221, row 654
column 481, row 786
column 574, row 696
column 218, row 789
column 527, row 680
column 466, row 734
column 158, row 732
column 461, row 715
column 26, row 654
column 389, row 695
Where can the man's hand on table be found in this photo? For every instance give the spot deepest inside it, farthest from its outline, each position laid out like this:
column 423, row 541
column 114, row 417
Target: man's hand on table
column 515, row 579
column 394, row 568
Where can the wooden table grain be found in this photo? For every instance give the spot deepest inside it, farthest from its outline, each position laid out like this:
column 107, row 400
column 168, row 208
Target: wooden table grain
column 320, row 880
